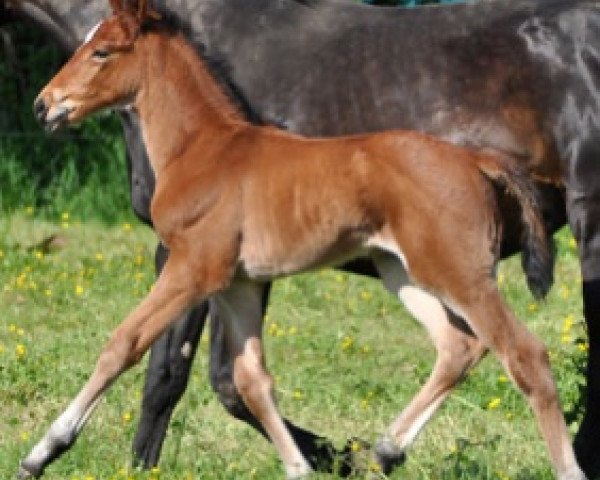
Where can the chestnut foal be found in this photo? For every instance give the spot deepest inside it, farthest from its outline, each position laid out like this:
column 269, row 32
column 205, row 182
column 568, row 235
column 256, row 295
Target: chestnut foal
column 238, row 204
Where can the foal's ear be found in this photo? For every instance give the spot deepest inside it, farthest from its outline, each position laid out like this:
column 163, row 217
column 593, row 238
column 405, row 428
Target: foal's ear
column 116, row 6
column 144, row 12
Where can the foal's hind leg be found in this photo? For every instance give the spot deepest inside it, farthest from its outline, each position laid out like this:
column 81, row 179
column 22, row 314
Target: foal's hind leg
column 526, row 360
column 457, row 351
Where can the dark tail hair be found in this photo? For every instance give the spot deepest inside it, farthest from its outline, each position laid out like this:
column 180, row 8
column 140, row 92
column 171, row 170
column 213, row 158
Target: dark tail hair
column 538, row 249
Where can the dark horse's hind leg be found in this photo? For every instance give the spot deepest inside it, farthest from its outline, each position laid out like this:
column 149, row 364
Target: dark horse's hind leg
column 587, row 441
column 166, row 378
column 318, row 451
column 583, row 201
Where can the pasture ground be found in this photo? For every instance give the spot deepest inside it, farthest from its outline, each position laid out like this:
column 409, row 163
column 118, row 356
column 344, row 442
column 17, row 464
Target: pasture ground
column 345, row 355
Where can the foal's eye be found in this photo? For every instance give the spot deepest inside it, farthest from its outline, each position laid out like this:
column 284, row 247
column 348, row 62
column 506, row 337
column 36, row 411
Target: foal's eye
column 101, row 54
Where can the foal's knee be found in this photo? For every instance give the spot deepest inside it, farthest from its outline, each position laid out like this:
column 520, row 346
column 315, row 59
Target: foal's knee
column 120, row 353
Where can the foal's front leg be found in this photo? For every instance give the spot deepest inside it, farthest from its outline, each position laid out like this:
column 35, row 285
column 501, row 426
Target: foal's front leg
column 173, row 293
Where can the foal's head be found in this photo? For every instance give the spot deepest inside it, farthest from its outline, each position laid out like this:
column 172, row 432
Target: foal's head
column 105, row 71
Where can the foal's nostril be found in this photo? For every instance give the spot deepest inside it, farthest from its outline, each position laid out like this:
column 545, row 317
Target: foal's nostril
column 40, row 109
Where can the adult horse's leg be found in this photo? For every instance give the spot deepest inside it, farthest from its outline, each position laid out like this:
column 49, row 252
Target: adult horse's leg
column 167, row 377
column 583, row 201
column 318, row 451
column 587, row 441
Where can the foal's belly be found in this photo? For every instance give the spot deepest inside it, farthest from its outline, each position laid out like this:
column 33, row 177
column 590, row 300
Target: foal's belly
column 267, row 260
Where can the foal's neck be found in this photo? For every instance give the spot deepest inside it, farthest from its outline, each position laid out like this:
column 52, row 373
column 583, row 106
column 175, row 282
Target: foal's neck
column 179, row 101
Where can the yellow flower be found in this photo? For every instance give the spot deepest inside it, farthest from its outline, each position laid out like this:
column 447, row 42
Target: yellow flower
column 532, row 307
column 90, row 477
column 493, row 403
column 292, row 330
column 48, row 292
column 566, row 338
column 65, row 216
column 126, row 417
column 139, row 260
column 366, row 349
column 65, row 225
column 78, row 290
column 29, row 210
column 99, row 257
column 366, row 295
column 583, row 347
column 297, row 394
column 127, row 227
column 39, row 255
column 24, row 436
column 374, row 467
column 502, row 475
column 1, row 253
column 155, row 471
column 501, row 278
column 347, row 343
column 12, row 328
column 502, row 379
column 568, row 323
column 355, row 446
column 20, row 351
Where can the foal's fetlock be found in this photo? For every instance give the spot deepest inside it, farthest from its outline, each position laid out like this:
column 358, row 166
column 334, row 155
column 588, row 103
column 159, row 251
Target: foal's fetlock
column 388, row 455
column 298, row 471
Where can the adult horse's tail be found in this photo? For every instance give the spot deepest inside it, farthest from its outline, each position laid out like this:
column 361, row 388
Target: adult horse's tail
column 537, row 247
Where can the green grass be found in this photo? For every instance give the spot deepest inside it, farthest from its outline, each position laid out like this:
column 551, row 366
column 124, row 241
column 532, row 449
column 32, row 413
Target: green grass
column 345, row 355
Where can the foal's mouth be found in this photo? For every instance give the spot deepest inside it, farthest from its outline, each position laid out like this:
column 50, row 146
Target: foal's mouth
column 52, row 117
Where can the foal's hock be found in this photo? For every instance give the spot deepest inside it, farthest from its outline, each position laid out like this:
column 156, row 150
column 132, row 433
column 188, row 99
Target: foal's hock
column 237, row 204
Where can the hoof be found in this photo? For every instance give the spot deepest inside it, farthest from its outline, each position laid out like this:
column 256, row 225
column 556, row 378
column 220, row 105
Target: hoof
column 24, row 474
column 388, row 456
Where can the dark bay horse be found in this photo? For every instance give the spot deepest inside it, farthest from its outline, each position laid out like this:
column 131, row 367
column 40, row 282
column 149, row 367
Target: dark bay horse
column 238, row 205
column 519, row 76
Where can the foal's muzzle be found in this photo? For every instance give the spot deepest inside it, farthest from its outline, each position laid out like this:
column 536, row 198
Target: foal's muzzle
column 50, row 118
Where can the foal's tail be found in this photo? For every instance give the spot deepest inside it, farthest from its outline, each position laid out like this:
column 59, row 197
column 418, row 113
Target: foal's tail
column 538, row 250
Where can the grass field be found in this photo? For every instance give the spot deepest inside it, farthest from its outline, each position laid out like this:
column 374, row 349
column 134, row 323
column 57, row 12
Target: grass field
column 345, row 355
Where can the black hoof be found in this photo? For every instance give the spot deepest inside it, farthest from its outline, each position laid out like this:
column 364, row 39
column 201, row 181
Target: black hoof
column 25, row 472
column 388, row 456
